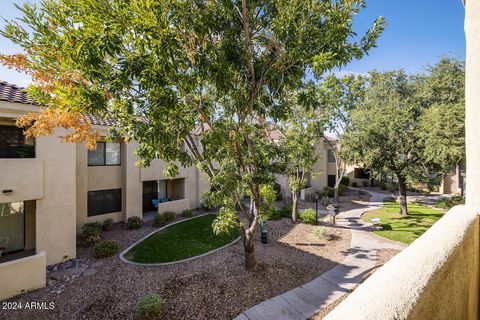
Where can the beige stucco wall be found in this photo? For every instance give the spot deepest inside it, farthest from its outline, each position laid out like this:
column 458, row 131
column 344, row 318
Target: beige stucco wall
column 56, row 211
column 472, row 100
column 21, row 275
column 176, row 206
column 436, row 277
column 24, row 176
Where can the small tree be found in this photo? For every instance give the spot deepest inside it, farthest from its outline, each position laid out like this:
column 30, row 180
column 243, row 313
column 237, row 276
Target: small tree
column 162, row 68
column 339, row 97
column 302, row 134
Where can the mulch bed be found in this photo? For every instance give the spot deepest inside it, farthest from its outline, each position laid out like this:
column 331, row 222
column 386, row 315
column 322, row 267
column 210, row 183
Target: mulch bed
column 212, row 287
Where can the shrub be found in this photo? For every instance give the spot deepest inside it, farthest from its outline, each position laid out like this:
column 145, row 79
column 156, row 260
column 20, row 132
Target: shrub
column 328, row 192
column 424, row 192
column 308, row 216
column 134, row 223
column 286, row 211
column 108, row 224
column 274, row 215
column 341, row 189
column 447, row 203
column 365, row 183
column 321, row 232
column 354, row 184
column 105, row 249
column 383, row 186
column 148, row 307
column 170, row 216
column 91, row 233
column 345, row 181
column 205, row 207
column 187, row 213
column 160, row 220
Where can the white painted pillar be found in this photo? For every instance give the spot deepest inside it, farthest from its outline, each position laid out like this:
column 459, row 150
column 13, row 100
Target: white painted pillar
column 472, row 100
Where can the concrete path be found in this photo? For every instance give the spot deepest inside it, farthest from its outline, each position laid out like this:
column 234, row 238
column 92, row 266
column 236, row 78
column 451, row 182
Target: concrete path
column 303, row 302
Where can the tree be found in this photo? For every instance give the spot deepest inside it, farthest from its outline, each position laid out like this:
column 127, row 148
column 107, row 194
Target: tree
column 442, row 124
column 383, row 133
column 302, row 133
column 339, row 97
column 162, row 68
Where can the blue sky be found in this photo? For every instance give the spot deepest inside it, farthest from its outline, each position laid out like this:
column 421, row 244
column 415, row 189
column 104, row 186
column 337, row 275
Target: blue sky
column 418, row 33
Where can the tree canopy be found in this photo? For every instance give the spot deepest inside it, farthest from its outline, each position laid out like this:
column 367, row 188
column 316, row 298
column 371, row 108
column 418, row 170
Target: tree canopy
column 162, row 68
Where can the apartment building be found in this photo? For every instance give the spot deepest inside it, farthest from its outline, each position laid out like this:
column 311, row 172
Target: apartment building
column 49, row 189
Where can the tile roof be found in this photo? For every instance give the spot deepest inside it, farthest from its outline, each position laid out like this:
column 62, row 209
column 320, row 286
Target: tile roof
column 12, row 93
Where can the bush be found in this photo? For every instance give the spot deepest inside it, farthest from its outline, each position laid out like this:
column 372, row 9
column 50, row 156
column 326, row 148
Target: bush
column 354, row 184
column 134, row 223
column 345, row 181
column 365, row 183
column 328, row 192
column 159, row 220
column 91, row 233
column 108, row 224
column 205, row 207
column 341, row 189
column 308, row 216
column 447, row 203
column 148, row 307
column 170, row 216
column 274, row 215
column 105, row 249
column 187, row 213
column 283, row 212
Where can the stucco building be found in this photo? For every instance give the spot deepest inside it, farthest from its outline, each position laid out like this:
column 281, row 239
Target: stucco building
column 50, row 189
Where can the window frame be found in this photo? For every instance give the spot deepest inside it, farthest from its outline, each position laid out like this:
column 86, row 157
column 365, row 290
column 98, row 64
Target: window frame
column 331, row 154
column 103, row 211
column 105, row 156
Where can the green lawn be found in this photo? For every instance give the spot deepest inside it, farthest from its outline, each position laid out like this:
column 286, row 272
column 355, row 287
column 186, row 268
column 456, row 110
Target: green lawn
column 403, row 229
column 180, row 241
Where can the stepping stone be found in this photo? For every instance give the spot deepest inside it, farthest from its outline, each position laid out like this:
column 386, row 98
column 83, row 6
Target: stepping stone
column 274, row 309
column 241, row 317
column 90, row 272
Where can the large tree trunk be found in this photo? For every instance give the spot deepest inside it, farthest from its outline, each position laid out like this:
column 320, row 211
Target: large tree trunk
column 402, row 190
column 250, row 259
column 294, row 206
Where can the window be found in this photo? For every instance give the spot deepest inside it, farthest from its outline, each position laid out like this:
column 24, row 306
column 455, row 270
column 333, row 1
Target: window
column 12, row 143
column 104, row 201
column 106, row 154
column 330, row 156
column 361, row 173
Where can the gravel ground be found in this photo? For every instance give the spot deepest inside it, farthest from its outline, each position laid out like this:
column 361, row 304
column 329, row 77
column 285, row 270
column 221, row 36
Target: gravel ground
column 211, row 287
column 384, row 255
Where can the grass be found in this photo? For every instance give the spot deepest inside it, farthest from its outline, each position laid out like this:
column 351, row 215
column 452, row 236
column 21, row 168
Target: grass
column 180, row 241
column 403, row 229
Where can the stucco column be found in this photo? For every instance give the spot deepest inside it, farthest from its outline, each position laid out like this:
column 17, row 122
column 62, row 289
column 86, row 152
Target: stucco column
column 472, row 100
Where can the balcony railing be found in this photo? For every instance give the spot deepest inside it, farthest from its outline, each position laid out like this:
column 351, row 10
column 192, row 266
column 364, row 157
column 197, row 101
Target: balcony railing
column 436, row 277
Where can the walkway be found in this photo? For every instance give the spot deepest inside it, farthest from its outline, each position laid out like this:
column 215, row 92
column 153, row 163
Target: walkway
column 303, row 302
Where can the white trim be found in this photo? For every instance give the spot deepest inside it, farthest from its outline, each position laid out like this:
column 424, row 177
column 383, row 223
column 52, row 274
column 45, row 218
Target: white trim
column 121, row 256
